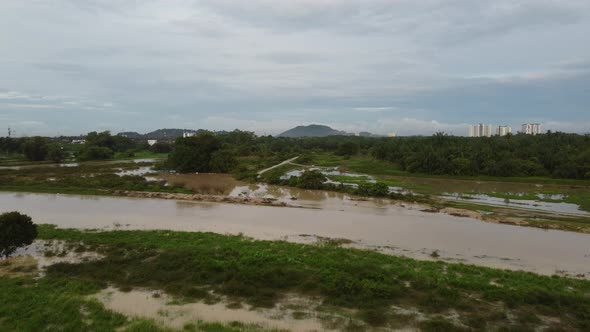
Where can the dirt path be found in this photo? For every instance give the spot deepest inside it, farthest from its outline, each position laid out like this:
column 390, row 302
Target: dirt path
column 277, row 165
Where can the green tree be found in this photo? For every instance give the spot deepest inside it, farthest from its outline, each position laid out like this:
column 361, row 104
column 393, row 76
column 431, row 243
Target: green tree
column 161, row 147
column 194, row 154
column 348, row 148
column 56, row 153
column 311, row 180
column 16, row 230
column 223, row 161
column 380, row 189
column 95, row 153
column 35, row 149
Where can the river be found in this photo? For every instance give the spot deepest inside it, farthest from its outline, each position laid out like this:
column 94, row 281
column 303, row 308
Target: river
column 389, row 228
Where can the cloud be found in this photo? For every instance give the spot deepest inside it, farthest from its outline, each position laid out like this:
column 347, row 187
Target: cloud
column 373, row 109
column 266, row 65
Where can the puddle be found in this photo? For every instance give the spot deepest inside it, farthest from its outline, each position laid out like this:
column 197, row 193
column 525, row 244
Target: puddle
column 370, row 224
column 139, row 171
column 42, row 254
column 162, row 309
column 75, row 164
column 560, row 207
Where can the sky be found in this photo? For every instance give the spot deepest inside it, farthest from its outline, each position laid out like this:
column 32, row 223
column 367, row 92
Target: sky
column 412, row 67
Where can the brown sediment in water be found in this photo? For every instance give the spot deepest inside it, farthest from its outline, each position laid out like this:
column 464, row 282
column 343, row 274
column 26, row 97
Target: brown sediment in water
column 391, row 228
column 507, row 217
column 202, row 198
column 205, row 183
column 292, row 314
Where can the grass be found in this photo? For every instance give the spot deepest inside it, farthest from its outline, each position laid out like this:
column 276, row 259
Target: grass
column 260, row 272
column 87, row 179
column 63, row 304
column 537, row 219
column 145, row 154
column 368, row 165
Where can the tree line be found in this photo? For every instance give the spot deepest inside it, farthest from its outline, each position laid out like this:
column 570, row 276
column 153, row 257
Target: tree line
column 558, row 155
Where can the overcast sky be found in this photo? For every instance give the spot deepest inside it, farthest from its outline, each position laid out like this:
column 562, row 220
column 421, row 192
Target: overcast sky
column 405, row 66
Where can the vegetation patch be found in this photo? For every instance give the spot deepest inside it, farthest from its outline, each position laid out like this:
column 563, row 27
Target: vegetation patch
column 261, row 272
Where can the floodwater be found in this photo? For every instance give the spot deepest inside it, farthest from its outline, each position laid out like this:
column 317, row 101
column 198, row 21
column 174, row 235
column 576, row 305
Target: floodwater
column 75, row 164
column 454, row 190
column 163, row 309
column 559, row 207
column 379, row 225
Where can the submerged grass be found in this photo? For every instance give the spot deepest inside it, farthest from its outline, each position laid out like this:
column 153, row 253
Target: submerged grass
column 86, row 179
column 63, row 304
column 260, row 272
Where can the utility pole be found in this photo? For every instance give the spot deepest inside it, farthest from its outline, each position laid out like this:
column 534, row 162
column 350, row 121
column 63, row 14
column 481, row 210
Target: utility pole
column 9, row 132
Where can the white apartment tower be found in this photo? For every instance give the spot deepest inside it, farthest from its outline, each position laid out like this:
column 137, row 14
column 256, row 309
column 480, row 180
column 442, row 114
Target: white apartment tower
column 503, row 130
column 480, row 130
column 531, row 128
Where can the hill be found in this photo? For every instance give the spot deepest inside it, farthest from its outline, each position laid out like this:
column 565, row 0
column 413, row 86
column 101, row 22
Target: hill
column 312, row 131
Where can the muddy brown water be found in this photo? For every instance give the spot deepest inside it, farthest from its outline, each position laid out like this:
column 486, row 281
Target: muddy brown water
column 390, row 228
column 163, row 309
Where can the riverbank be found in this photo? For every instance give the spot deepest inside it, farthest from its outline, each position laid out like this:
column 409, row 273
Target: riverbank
column 203, row 198
column 507, row 203
column 351, row 289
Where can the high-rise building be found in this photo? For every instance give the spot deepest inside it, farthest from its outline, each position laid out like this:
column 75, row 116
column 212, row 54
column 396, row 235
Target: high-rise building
column 480, row 130
column 503, row 130
column 531, row 128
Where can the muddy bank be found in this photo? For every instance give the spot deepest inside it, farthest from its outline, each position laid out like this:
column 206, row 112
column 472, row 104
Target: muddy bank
column 510, row 217
column 202, row 198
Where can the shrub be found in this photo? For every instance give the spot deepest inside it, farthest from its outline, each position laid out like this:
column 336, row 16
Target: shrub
column 35, row 149
column 16, row 230
column 312, row 180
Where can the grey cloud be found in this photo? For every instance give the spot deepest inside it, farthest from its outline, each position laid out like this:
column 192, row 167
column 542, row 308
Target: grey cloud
column 428, row 64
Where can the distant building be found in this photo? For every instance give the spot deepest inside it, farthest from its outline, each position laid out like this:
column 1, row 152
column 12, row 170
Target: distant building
column 503, row 130
column 480, row 130
column 151, row 142
column 531, row 128
column 188, row 134
column 78, row 141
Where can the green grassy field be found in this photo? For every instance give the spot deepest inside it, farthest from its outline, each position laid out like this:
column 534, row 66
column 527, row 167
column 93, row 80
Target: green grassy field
column 62, row 304
column 190, row 265
column 145, row 154
column 368, row 165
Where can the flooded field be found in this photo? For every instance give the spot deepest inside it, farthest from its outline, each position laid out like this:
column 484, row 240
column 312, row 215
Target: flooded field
column 377, row 225
column 538, row 197
column 539, row 205
column 292, row 314
column 76, row 164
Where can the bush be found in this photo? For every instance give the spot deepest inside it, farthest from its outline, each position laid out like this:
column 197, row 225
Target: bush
column 56, row 153
column 311, row 180
column 194, row 154
column 95, row 153
column 16, row 230
column 35, row 149
column 161, row 147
